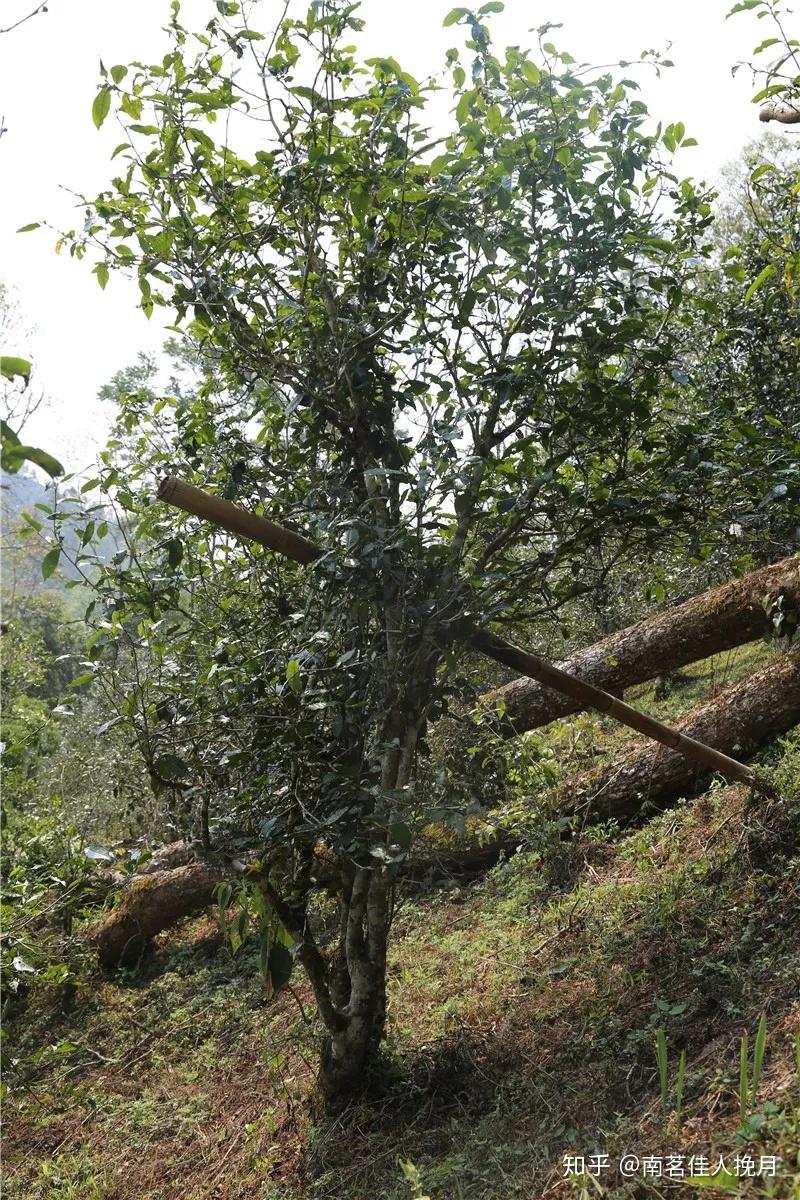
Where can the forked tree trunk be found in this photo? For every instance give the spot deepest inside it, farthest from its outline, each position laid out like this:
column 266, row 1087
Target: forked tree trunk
column 738, row 721
column 707, row 624
column 350, row 1049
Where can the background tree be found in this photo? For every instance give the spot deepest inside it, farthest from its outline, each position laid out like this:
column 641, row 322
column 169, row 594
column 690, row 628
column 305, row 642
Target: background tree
column 18, row 401
column 741, row 359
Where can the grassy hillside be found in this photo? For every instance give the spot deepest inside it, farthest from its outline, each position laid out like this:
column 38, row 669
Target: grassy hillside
column 524, row 1013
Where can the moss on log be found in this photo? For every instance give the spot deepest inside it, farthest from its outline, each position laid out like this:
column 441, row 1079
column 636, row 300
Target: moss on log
column 151, row 904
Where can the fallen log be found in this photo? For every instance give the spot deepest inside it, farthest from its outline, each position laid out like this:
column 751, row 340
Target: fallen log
column 717, row 620
column 739, row 720
column 151, row 904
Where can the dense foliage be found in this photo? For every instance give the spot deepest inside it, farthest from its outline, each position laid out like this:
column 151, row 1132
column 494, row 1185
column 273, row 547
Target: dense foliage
column 452, row 360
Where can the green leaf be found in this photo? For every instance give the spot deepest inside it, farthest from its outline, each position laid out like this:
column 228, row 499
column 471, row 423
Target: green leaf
column 28, row 228
column 101, row 106
column 280, row 966
column 773, row 89
column 10, row 367
column 494, row 6
column 722, row 1180
column 467, row 304
column 169, row 766
column 531, row 72
column 760, row 279
column 50, row 562
column 19, row 454
column 743, row 6
column 454, row 15
column 440, row 163
column 494, row 118
column 174, row 552
column 758, row 1055
column 359, row 202
column 293, row 675
column 463, row 106
column 10, row 439
column 401, row 835
column 87, row 677
column 224, row 892
column 118, row 74
column 101, row 271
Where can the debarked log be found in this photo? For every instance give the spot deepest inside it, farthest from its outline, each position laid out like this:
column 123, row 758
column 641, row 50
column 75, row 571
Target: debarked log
column 738, row 721
column 718, row 620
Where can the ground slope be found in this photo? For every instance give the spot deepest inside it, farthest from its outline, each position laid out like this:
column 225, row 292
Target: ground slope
column 522, row 1025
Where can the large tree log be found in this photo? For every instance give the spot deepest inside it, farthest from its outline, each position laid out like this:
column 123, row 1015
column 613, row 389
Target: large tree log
column 739, row 720
column 707, row 624
column 152, row 903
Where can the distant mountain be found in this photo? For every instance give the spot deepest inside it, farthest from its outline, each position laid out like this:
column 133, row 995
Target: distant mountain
column 21, row 552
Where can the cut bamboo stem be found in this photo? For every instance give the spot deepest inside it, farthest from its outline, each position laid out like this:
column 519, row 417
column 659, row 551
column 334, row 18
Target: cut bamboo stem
column 238, row 520
column 786, row 114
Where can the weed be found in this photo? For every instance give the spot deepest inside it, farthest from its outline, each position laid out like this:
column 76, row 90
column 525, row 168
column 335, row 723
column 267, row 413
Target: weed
column 748, row 1085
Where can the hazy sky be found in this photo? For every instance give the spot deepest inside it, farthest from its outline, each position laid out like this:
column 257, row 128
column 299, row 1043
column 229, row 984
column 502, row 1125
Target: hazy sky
column 49, row 77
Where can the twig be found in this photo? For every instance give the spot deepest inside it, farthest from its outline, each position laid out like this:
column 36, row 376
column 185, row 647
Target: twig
column 39, row 9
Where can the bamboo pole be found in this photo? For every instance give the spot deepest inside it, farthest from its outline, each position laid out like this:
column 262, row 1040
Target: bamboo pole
column 236, row 519
column 239, row 521
column 786, row 114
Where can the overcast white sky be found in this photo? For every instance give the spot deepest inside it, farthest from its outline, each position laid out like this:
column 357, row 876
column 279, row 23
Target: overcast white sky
column 49, row 77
